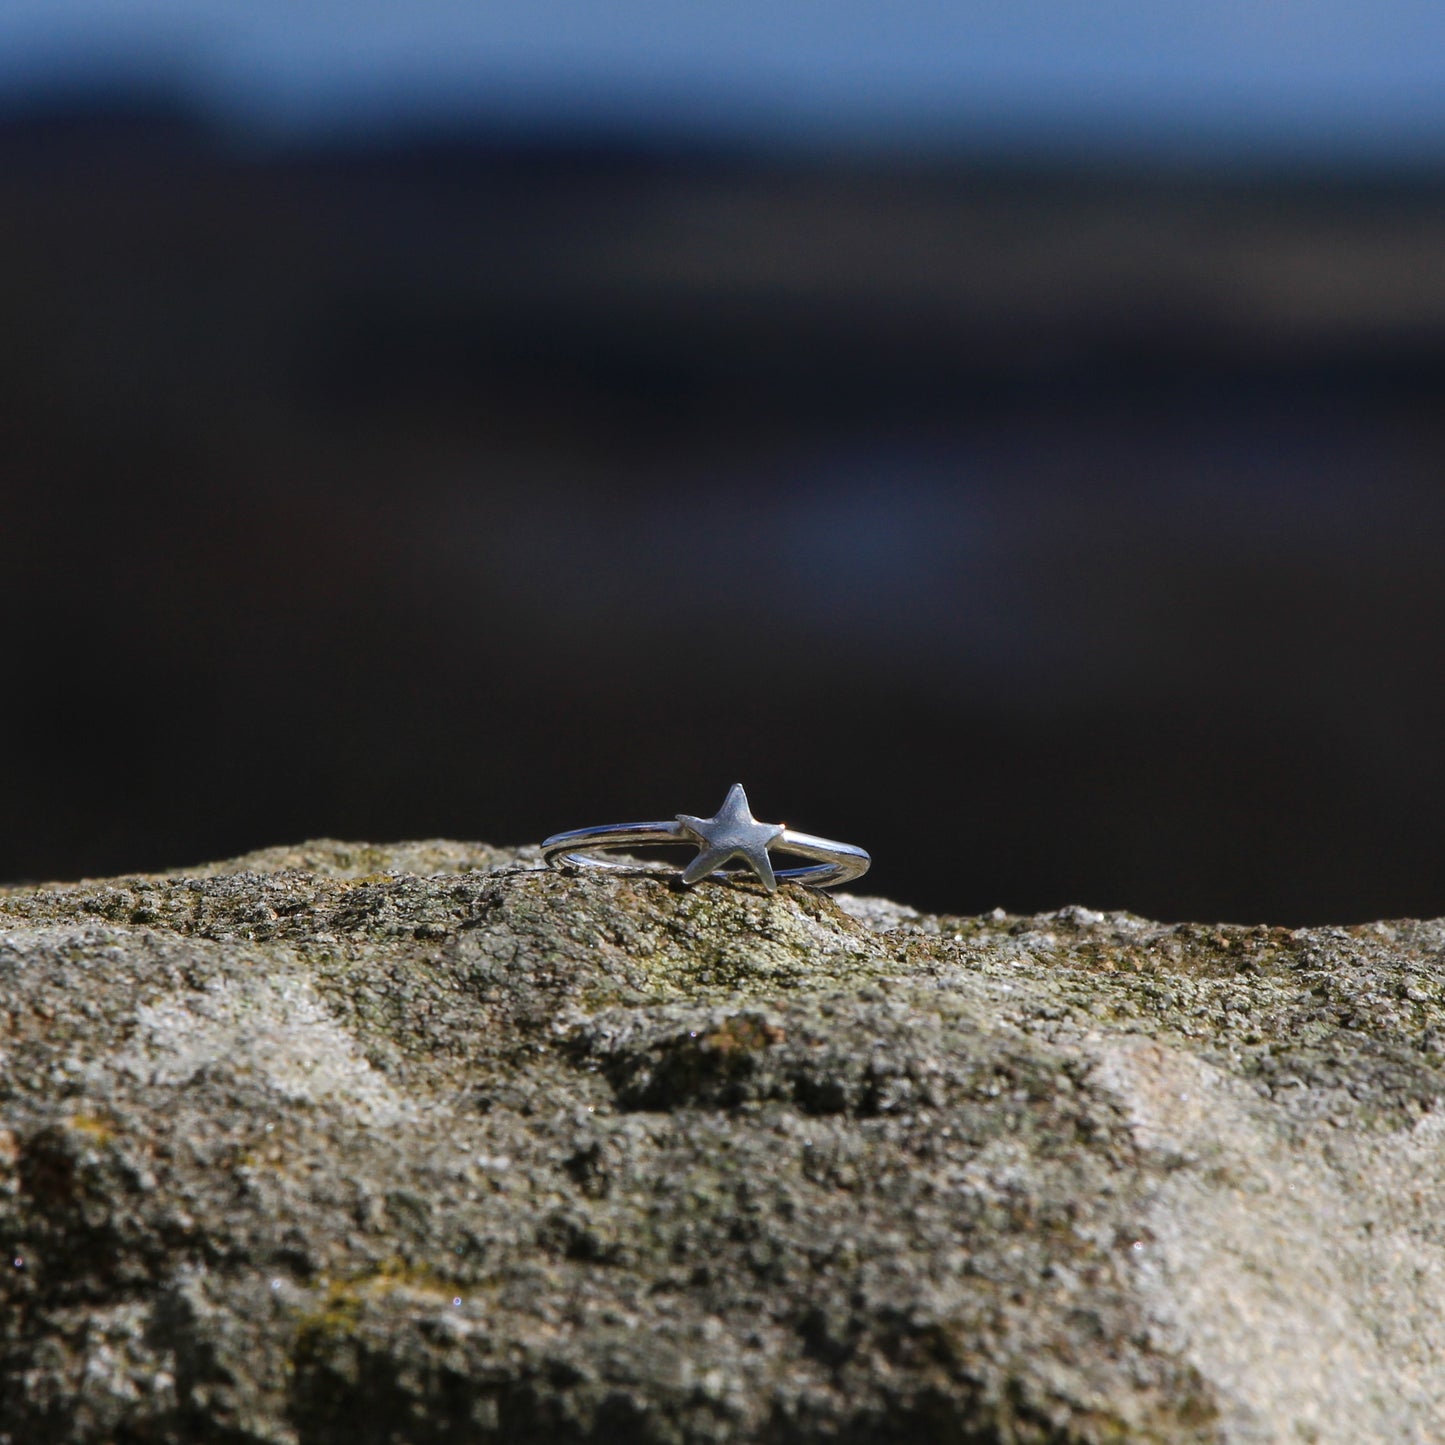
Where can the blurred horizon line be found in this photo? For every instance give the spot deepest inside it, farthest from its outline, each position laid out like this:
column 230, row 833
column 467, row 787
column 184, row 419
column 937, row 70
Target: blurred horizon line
column 165, row 102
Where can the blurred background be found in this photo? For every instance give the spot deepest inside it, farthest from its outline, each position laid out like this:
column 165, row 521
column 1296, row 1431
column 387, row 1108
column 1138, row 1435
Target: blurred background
column 1010, row 438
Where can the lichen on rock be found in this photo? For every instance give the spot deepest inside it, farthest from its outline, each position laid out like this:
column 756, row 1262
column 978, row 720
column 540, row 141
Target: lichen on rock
column 422, row 1144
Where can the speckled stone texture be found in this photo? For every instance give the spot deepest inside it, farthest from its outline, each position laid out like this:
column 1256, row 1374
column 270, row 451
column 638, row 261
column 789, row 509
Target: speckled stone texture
column 423, row 1144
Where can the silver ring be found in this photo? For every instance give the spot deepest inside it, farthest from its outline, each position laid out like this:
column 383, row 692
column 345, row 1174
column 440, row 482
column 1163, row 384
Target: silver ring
column 732, row 833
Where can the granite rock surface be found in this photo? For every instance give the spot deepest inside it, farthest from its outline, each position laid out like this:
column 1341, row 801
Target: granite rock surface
column 421, row 1144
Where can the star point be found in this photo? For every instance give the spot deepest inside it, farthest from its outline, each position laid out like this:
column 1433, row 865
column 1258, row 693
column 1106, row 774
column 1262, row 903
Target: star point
column 732, row 832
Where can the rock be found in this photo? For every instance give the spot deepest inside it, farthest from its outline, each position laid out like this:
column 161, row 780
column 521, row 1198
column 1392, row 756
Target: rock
column 425, row 1144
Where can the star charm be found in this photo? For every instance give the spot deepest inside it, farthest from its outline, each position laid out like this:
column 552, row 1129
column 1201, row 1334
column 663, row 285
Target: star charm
column 732, row 833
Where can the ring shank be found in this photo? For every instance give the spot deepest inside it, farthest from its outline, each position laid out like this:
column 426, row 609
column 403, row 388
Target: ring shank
column 833, row 863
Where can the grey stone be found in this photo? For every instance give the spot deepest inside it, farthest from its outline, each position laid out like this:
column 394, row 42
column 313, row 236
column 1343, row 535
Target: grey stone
column 425, row 1144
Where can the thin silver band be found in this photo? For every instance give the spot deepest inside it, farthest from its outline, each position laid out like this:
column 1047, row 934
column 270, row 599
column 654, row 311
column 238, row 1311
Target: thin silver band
column 834, row 863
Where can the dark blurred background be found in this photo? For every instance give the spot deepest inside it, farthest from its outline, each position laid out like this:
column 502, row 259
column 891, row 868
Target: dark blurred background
column 1011, row 444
